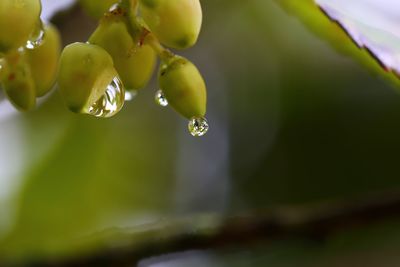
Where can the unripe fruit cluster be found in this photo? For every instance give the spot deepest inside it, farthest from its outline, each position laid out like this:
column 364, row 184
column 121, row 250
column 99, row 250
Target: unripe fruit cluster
column 29, row 53
column 119, row 56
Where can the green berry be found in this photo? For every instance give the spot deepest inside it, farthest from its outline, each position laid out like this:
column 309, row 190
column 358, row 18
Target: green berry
column 44, row 61
column 183, row 87
column 18, row 19
column 85, row 72
column 97, row 8
column 134, row 62
column 17, row 81
column 176, row 23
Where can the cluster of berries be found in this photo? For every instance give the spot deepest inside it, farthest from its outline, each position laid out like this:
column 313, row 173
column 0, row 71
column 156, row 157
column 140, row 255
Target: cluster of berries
column 118, row 59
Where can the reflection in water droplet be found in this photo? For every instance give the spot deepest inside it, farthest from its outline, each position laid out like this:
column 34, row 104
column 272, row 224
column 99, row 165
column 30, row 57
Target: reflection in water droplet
column 114, row 7
column 198, row 126
column 37, row 37
column 161, row 99
column 111, row 102
column 130, row 95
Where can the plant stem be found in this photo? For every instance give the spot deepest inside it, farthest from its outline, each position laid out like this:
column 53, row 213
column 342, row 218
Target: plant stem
column 139, row 33
column 161, row 51
column 130, row 5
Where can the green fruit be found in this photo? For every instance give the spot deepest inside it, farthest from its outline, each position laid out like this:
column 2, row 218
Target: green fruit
column 97, row 8
column 18, row 19
column 44, row 61
column 3, row 68
column 85, row 72
column 134, row 62
column 18, row 83
column 176, row 23
column 183, row 87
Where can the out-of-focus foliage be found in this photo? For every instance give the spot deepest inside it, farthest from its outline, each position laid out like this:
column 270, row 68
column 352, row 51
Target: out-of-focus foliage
column 292, row 121
column 340, row 36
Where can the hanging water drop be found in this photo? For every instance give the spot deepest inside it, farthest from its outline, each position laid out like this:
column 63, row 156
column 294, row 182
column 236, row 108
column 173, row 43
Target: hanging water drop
column 161, row 99
column 198, row 126
column 37, row 37
column 130, row 95
column 111, row 102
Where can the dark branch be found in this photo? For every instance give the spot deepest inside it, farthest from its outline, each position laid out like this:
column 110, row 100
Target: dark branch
column 315, row 222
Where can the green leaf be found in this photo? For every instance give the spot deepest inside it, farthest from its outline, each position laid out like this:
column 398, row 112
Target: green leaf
column 323, row 19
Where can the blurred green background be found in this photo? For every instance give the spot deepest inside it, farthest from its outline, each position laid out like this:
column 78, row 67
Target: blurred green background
column 292, row 121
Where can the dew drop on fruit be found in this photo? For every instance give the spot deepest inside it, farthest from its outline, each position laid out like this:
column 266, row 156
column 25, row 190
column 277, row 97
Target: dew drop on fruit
column 37, row 37
column 130, row 95
column 114, row 7
column 111, row 102
column 161, row 99
column 198, row 126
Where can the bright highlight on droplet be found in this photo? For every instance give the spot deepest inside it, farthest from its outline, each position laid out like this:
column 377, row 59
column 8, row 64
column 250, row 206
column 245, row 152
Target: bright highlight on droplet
column 111, row 102
column 114, row 7
column 37, row 37
column 161, row 99
column 130, row 95
column 198, row 126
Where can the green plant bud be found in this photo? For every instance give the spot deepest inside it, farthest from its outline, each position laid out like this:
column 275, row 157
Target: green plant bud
column 135, row 63
column 44, row 61
column 85, row 72
column 176, row 23
column 97, row 8
column 17, row 81
column 183, row 87
column 18, row 19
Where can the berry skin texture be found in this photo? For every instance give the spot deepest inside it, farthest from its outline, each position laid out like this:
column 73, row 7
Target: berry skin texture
column 18, row 83
column 176, row 23
column 85, row 72
column 18, row 20
column 183, row 87
column 135, row 63
column 44, row 61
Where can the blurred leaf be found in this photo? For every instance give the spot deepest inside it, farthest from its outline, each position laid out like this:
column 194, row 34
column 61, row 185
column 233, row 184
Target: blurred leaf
column 371, row 40
column 96, row 174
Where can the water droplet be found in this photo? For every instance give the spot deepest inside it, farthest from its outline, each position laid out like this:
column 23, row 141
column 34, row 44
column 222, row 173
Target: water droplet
column 198, row 126
column 163, row 67
column 37, row 37
column 161, row 99
column 111, row 102
column 130, row 95
column 114, row 7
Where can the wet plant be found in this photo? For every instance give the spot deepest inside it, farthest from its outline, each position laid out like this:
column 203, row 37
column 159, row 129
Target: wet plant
column 116, row 62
